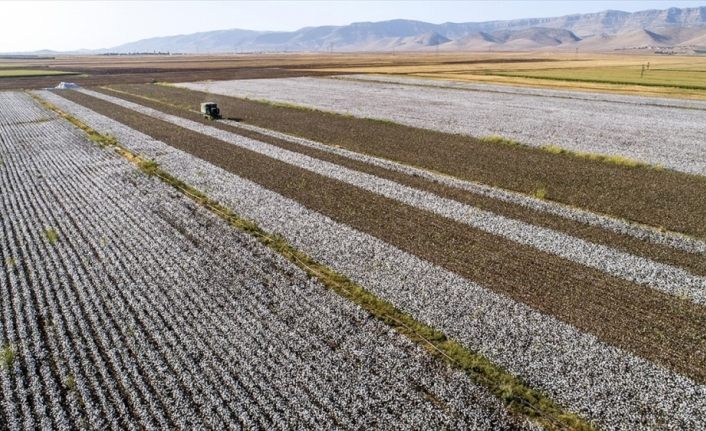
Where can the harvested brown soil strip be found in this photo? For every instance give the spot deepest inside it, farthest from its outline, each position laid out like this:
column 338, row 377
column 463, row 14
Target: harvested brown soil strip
column 654, row 325
column 692, row 262
column 148, row 75
column 668, row 199
column 124, row 70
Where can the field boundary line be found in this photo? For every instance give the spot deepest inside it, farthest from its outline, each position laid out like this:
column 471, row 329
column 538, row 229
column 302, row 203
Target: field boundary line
column 595, row 81
column 518, row 397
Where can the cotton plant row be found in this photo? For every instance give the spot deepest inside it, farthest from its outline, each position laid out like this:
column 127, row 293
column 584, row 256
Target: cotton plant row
column 668, row 136
column 645, row 233
column 659, row 276
column 147, row 311
column 606, row 384
column 55, row 274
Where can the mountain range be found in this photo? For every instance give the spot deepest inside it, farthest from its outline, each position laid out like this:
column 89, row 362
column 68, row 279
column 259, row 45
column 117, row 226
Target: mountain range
column 608, row 30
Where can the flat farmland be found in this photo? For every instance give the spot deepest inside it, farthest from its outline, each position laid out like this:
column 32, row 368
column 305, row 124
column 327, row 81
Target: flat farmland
column 103, row 70
column 686, row 76
column 349, row 251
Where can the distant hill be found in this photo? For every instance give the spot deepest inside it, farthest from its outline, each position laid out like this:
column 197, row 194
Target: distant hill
column 607, row 30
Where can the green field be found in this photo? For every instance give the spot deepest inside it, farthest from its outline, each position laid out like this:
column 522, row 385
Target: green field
column 19, row 73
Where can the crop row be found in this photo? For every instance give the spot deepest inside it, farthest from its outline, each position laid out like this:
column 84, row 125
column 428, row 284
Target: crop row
column 643, row 271
column 626, row 391
column 126, row 306
column 668, row 136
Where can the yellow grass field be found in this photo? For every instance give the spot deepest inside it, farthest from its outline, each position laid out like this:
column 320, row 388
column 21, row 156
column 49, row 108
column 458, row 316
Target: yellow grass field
column 668, row 76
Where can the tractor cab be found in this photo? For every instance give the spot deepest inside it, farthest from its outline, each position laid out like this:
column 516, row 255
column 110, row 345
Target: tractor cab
column 210, row 110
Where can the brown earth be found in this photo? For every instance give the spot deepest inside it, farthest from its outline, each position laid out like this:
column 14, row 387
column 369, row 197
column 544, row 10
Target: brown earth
column 659, row 198
column 659, row 327
column 103, row 70
column 280, row 60
column 134, row 76
column 692, row 262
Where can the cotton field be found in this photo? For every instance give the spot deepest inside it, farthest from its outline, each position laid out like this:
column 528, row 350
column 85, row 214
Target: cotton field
column 141, row 310
column 376, row 262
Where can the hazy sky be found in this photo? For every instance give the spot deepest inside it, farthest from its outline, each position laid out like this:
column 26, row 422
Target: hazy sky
column 28, row 26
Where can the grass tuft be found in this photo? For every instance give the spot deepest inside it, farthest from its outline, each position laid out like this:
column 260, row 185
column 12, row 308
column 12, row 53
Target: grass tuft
column 52, row 235
column 70, row 382
column 499, row 140
column 8, row 354
column 554, row 149
column 150, row 167
column 610, row 159
column 539, row 193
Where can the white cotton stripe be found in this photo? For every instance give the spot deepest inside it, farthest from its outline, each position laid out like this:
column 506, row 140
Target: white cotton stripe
column 597, row 96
